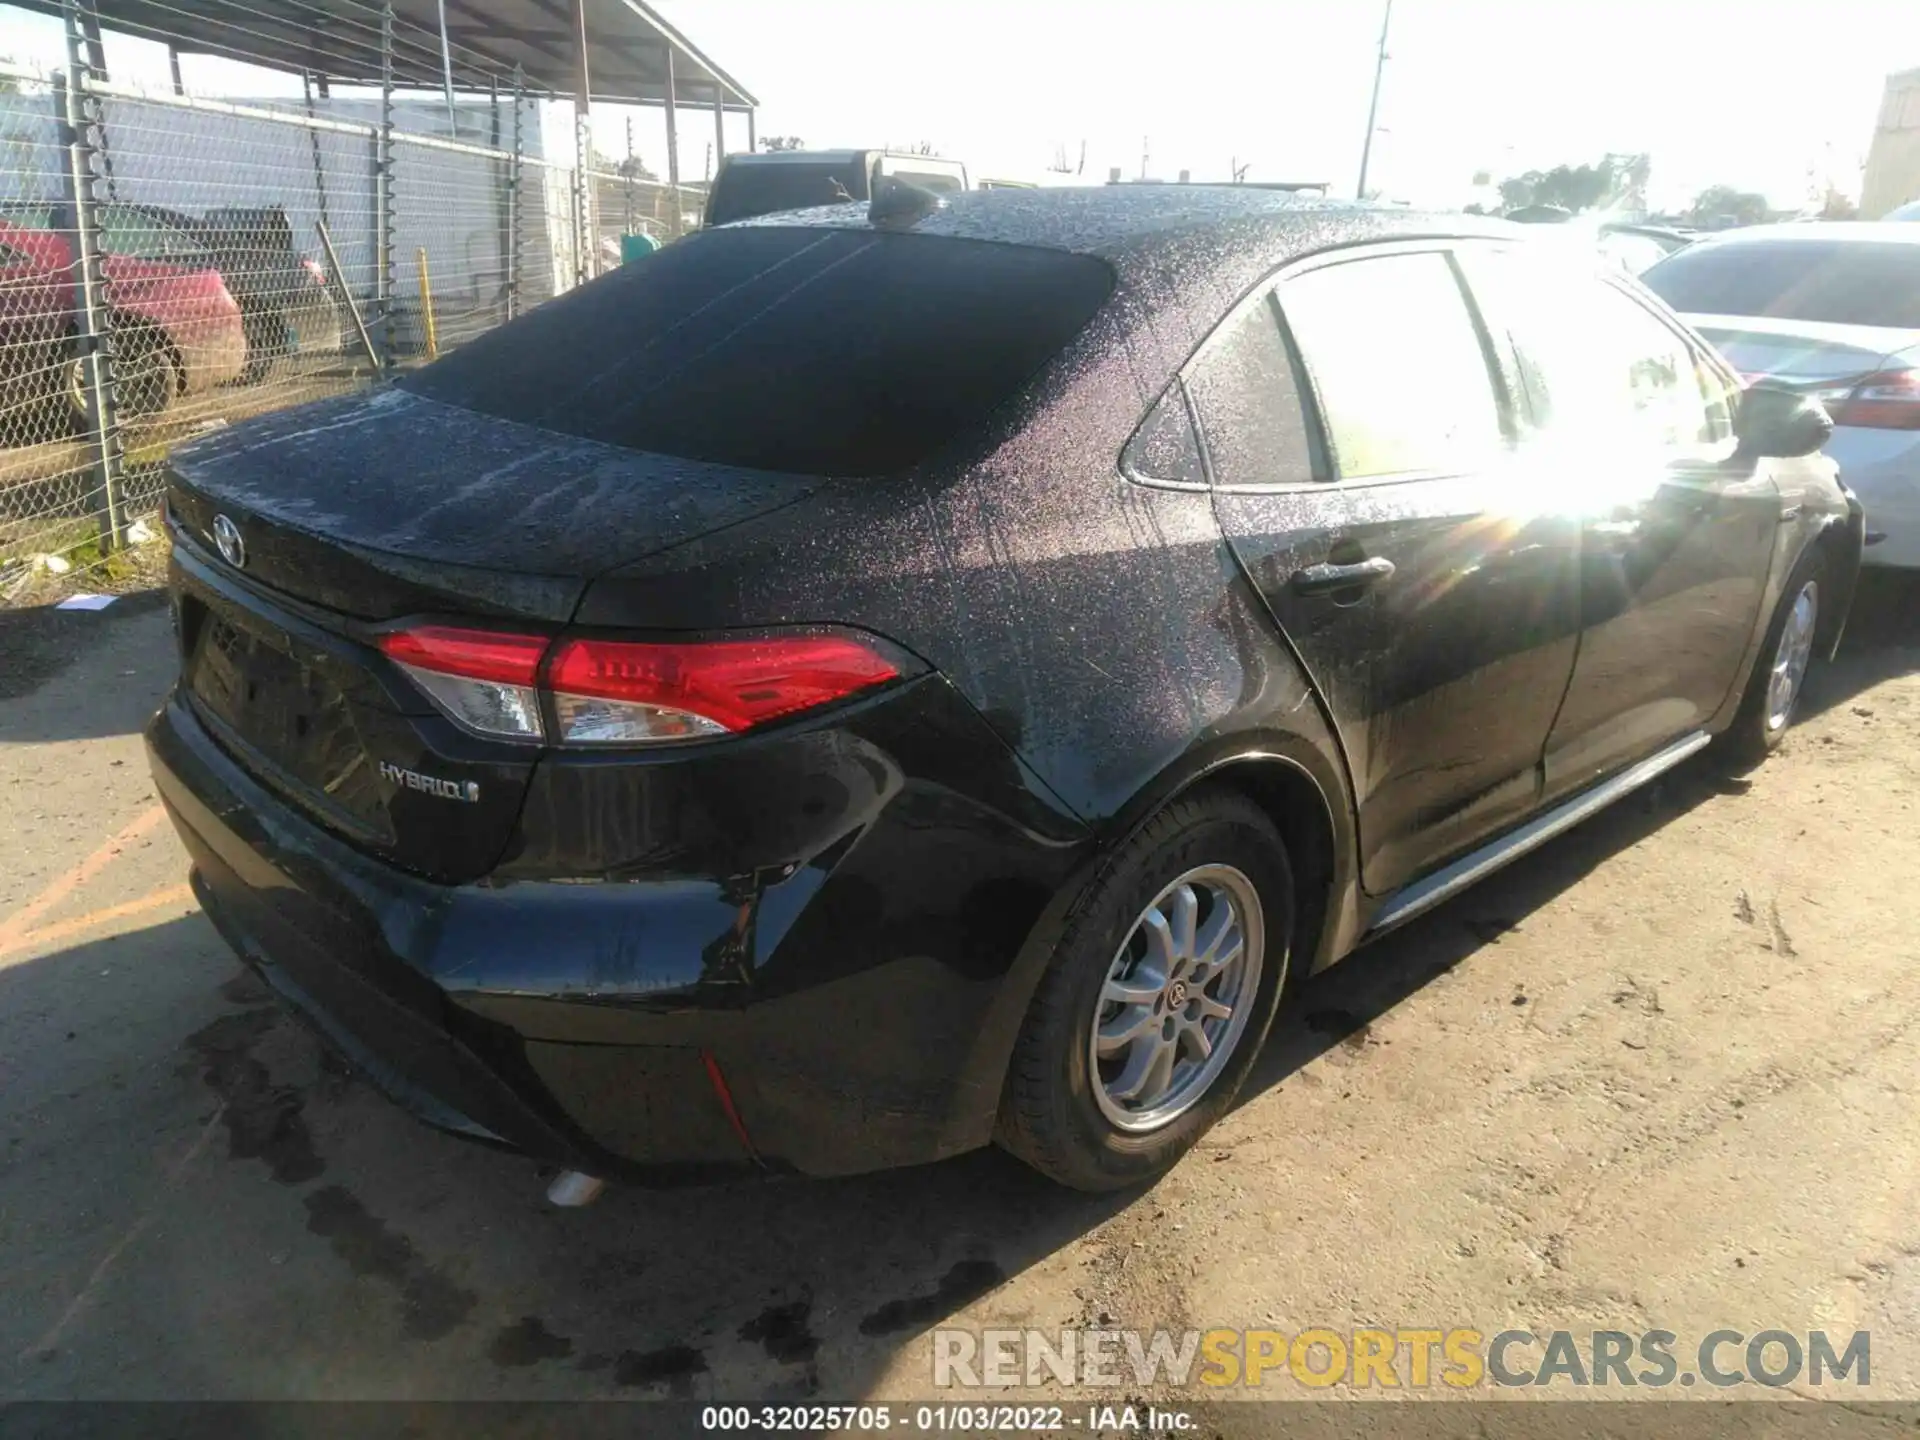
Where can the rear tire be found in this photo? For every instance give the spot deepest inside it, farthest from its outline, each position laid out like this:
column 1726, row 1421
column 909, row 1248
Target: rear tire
column 145, row 378
column 265, row 331
column 1774, row 690
column 1142, row 1032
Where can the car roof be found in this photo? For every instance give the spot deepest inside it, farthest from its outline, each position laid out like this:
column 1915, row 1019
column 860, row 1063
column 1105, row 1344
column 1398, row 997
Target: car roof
column 1163, row 221
column 1841, row 232
column 798, row 157
column 1182, row 255
column 829, row 157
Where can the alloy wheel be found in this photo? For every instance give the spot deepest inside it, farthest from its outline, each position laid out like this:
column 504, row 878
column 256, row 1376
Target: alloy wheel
column 1176, row 998
column 1791, row 656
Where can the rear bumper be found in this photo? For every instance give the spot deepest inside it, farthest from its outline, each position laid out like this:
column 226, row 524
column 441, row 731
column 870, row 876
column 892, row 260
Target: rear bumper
column 707, row 1058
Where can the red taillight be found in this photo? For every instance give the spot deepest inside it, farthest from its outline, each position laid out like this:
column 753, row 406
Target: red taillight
column 1889, row 400
column 624, row 692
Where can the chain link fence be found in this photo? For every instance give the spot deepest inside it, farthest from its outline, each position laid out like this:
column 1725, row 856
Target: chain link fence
column 171, row 262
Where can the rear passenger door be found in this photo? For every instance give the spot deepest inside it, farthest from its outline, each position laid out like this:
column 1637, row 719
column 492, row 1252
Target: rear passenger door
column 1632, row 429
column 1359, row 435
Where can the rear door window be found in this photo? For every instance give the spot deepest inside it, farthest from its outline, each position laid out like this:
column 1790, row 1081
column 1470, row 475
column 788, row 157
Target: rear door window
column 1397, row 364
column 1246, row 395
column 809, row 350
column 1163, row 450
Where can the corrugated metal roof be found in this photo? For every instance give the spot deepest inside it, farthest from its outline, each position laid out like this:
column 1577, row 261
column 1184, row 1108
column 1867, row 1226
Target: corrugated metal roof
column 628, row 43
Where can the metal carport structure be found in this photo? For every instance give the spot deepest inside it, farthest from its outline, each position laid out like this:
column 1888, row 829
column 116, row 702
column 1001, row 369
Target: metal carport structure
column 617, row 51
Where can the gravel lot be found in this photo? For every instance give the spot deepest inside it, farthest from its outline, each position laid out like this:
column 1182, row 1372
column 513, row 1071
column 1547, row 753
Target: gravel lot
column 1660, row 1074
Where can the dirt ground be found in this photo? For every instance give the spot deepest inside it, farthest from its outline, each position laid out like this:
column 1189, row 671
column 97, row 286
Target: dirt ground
column 1660, row 1074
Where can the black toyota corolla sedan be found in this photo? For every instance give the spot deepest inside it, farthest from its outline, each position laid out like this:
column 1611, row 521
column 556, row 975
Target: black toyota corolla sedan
column 861, row 685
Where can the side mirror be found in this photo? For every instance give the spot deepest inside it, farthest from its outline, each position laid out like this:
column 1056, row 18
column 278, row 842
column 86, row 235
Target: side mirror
column 1772, row 423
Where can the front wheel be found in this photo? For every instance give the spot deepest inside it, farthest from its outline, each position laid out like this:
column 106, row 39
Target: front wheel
column 1157, row 1000
column 1779, row 676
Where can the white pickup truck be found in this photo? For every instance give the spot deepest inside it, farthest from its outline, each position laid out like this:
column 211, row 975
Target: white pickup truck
column 765, row 181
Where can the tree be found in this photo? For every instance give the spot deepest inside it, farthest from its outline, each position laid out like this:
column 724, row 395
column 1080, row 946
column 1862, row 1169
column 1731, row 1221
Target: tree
column 783, row 142
column 1517, row 192
column 632, row 168
column 1615, row 179
column 1838, row 205
column 1722, row 205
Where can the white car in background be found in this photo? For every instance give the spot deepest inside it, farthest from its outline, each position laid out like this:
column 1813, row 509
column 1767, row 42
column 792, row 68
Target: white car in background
column 1832, row 310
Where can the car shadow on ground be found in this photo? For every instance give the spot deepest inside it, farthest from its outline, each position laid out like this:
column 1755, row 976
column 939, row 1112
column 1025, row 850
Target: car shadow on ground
column 432, row 1263
column 1339, row 1005
column 1882, row 641
column 200, row 1200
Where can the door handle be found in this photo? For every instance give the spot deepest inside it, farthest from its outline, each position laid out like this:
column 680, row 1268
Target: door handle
column 1327, row 579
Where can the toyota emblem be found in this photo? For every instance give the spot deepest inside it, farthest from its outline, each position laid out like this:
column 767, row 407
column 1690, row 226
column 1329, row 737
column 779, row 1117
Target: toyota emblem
column 226, row 535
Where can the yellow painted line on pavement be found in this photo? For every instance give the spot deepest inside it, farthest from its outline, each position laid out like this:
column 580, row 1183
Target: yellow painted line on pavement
column 15, row 926
column 80, row 924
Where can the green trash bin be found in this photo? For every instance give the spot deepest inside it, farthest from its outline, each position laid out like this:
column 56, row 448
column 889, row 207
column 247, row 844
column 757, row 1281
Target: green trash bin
column 636, row 247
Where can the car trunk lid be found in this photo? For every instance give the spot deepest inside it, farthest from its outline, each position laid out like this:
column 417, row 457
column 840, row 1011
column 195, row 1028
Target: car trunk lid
column 391, row 505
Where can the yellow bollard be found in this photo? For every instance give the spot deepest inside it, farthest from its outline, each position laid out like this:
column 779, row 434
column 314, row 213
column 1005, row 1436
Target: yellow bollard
column 426, row 304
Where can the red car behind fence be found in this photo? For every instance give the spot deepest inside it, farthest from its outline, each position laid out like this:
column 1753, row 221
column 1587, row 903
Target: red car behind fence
column 177, row 328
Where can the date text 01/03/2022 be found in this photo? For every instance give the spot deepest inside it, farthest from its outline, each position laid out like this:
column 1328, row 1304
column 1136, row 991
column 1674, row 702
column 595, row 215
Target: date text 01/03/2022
column 948, row 1419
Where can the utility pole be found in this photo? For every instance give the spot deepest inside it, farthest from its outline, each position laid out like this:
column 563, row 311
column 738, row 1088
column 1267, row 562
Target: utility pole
column 1373, row 107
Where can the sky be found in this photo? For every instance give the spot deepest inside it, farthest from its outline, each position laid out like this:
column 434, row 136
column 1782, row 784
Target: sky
column 1750, row 93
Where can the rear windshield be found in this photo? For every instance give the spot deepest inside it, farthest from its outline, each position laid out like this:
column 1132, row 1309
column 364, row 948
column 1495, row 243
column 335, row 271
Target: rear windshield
column 813, row 351
column 744, row 191
column 941, row 182
column 1826, row 280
